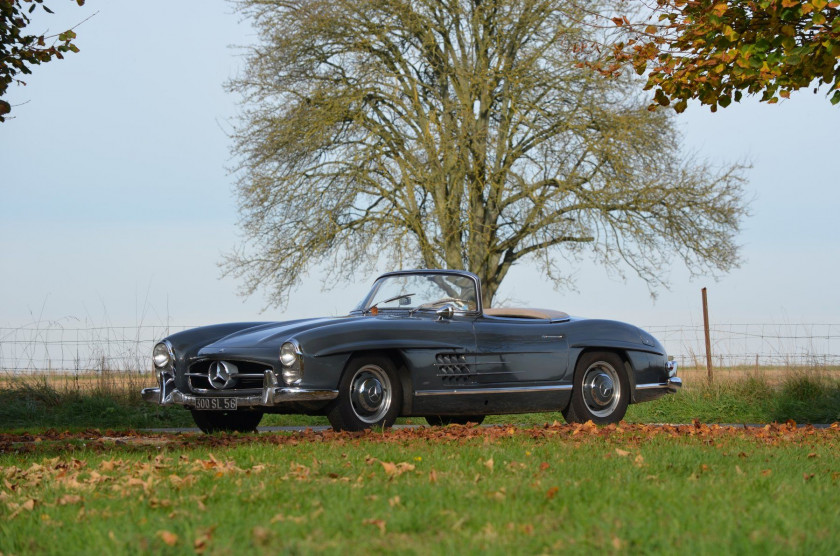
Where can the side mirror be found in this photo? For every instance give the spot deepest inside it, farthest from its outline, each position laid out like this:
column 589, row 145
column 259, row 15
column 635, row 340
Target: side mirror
column 446, row 312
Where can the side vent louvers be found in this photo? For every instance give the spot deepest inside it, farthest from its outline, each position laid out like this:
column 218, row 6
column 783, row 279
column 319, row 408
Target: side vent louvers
column 453, row 366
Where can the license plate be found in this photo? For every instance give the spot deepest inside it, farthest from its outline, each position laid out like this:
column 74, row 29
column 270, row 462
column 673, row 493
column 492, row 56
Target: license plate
column 216, row 404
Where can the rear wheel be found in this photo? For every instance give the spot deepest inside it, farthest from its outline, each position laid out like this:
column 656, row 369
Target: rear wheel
column 369, row 395
column 601, row 390
column 443, row 420
column 227, row 421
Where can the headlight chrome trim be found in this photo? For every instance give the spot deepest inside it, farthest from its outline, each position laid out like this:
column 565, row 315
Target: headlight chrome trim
column 163, row 349
column 291, row 361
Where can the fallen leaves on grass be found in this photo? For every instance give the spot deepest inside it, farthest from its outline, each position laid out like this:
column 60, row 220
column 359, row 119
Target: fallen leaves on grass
column 168, row 537
column 378, row 523
column 203, row 539
column 391, row 469
column 56, row 441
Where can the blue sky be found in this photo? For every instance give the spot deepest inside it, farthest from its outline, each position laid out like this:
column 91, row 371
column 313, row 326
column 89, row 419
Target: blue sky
column 116, row 203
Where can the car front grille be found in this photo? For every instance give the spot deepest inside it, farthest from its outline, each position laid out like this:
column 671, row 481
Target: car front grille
column 247, row 380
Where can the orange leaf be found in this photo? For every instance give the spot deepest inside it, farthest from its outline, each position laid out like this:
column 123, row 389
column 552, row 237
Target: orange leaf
column 168, row 537
column 389, row 467
column 378, row 523
column 552, row 492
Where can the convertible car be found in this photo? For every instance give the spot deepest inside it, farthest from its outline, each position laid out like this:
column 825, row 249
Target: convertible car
column 419, row 344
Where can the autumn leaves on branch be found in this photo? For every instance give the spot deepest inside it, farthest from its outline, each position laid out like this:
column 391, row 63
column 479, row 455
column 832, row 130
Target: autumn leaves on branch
column 19, row 50
column 715, row 51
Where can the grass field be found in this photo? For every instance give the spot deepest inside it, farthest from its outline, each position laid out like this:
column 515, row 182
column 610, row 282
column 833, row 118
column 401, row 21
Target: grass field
column 528, row 485
column 497, row 490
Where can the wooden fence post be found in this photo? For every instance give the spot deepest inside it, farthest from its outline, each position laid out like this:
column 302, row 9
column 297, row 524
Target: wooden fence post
column 708, row 338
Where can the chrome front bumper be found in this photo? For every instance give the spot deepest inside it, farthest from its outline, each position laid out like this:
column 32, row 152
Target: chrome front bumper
column 652, row 391
column 671, row 385
column 272, row 393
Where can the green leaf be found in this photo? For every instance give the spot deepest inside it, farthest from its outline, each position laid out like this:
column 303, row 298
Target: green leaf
column 835, row 98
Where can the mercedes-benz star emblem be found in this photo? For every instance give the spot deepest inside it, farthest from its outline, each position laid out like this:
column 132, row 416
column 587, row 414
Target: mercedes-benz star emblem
column 222, row 374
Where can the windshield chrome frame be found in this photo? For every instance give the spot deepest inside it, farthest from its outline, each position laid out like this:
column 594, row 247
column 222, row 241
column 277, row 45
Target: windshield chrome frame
column 362, row 307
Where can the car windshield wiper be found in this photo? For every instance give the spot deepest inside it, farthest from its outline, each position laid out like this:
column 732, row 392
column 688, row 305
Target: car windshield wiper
column 374, row 306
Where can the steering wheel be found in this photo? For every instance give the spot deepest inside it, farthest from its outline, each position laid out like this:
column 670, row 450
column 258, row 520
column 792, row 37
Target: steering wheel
column 459, row 303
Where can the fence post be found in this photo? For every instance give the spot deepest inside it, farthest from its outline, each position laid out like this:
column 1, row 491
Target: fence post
column 708, row 338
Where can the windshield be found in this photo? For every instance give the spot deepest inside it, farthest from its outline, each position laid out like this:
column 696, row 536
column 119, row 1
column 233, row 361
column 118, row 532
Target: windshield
column 421, row 291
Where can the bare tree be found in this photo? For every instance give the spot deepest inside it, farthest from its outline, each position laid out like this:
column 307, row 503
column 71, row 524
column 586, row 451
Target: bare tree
column 459, row 134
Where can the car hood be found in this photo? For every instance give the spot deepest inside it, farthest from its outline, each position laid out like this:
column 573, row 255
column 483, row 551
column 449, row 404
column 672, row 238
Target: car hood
column 269, row 334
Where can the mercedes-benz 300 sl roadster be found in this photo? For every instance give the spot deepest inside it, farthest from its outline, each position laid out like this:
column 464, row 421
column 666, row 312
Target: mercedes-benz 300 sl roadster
column 419, row 344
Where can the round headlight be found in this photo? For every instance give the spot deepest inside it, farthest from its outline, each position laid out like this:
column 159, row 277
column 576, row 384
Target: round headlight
column 288, row 354
column 161, row 356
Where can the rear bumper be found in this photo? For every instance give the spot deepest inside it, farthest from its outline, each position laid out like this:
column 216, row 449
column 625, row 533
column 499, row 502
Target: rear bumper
column 272, row 394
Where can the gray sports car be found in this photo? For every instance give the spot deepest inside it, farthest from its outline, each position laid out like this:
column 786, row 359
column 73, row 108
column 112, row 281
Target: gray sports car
column 419, row 344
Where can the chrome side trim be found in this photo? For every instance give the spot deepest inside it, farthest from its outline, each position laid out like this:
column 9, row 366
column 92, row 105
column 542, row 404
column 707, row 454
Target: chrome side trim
column 487, row 391
column 672, row 385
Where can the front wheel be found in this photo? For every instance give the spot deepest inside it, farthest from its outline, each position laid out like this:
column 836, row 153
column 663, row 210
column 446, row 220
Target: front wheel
column 227, row 421
column 369, row 395
column 601, row 390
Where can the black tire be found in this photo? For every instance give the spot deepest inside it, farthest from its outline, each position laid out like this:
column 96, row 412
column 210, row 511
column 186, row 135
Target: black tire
column 369, row 395
column 443, row 420
column 227, row 421
column 601, row 390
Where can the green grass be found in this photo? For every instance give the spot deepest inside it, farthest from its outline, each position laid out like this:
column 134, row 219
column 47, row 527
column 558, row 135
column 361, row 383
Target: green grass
column 805, row 397
column 36, row 404
column 429, row 491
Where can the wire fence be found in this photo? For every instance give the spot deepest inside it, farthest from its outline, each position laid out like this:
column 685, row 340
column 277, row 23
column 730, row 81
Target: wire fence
column 56, row 348
column 759, row 345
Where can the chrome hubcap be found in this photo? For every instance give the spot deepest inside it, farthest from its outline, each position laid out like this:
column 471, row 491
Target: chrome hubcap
column 370, row 393
column 601, row 389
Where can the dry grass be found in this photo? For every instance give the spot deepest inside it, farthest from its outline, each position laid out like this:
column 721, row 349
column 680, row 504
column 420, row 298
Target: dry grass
column 773, row 376
column 117, row 384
